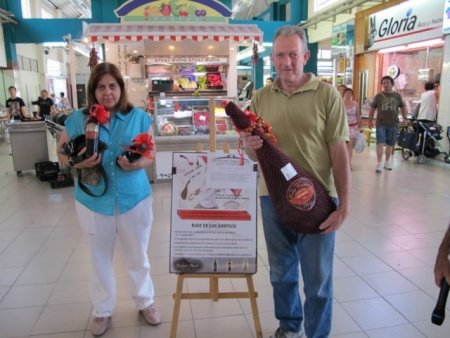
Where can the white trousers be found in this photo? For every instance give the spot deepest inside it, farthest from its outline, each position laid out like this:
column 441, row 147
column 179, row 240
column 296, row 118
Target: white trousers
column 133, row 231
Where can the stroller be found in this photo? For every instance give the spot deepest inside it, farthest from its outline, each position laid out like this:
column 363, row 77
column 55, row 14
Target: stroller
column 421, row 139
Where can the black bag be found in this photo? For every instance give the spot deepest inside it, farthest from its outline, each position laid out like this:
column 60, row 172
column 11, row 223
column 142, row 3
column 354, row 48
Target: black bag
column 46, row 171
column 408, row 138
column 91, row 176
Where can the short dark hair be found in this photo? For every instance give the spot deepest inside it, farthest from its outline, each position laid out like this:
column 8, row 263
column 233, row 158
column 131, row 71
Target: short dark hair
column 348, row 90
column 61, row 94
column 429, row 85
column 387, row 77
column 12, row 87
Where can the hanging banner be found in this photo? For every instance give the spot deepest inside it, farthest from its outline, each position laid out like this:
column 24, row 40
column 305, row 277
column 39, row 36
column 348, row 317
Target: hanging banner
column 175, row 11
column 411, row 21
column 446, row 23
column 213, row 223
column 342, row 37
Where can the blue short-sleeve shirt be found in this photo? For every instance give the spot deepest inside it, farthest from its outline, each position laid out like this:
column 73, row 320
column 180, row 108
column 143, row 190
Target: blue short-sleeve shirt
column 125, row 189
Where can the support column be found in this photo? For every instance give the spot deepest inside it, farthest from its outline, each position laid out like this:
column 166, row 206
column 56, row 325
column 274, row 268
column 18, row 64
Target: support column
column 232, row 70
column 444, row 99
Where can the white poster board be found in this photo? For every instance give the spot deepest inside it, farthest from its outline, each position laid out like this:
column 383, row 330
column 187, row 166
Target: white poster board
column 213, row 220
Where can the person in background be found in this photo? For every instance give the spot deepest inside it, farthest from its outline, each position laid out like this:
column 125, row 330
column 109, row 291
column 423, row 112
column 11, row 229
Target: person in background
column 269, row 81
column 54, row 99
column 124, row 211
column 353, row 119
column 63, row 102
column 428, row 108
column 341, row 89
column 387, row 103
column 16, row 106
column 308, row 119
column 428, row 103
column 46, row 106
column 442, row 265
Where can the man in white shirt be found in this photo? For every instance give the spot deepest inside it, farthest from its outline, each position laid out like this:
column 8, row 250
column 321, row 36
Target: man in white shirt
column 428, row 103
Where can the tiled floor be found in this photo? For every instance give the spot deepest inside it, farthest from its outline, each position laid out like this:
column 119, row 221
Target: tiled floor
column 383, row 268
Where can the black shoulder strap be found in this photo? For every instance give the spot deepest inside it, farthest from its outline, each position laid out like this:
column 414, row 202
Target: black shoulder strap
column 88, row 191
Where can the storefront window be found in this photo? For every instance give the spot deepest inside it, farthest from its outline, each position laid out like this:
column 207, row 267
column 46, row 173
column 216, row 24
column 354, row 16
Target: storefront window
column 411, row 69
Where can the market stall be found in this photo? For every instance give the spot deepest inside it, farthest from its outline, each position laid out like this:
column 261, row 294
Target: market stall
column 169, row 59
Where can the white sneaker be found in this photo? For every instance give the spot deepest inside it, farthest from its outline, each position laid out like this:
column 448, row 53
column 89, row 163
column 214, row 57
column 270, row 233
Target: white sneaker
column 379, row 168
column 388, row 165
column 100, row 326
column 282, row 333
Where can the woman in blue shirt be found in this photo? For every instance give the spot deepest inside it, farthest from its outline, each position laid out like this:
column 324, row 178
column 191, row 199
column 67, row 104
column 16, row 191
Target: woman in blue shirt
column 124, row 209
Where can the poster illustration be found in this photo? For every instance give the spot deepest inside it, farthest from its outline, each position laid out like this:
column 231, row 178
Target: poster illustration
column 213, row 223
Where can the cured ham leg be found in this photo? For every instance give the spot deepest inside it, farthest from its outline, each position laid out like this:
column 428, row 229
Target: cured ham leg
column 300, row 200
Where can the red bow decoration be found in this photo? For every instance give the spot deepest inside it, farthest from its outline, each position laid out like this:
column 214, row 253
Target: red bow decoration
column 142, row 145
column 99, row 112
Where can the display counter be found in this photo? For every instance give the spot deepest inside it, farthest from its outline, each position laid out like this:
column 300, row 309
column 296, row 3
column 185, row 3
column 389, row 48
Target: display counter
column 187, row 124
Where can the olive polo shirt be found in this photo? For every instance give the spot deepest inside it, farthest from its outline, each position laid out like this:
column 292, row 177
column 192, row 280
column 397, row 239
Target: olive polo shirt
column 305, row 122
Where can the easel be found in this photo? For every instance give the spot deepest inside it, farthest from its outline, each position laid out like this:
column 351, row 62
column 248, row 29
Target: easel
column 214, row 295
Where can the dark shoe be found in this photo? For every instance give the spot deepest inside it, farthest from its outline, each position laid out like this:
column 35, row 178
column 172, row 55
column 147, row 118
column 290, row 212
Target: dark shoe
column 100, row 326
column 283, row 333
column 151, row 315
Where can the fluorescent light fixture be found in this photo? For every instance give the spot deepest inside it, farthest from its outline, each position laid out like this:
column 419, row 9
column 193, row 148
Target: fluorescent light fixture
column 392, row 49
column 54, row 44
column 414, row 45
column 428, row 43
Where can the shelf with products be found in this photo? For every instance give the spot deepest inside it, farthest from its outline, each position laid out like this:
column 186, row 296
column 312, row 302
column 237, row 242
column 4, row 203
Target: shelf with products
column 187, row 76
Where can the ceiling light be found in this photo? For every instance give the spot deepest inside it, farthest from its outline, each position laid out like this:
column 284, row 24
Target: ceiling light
column 415, row 45
column 428, row 43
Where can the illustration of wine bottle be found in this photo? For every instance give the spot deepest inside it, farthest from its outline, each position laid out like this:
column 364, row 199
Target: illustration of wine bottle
column 215, row 266
column 229, row 265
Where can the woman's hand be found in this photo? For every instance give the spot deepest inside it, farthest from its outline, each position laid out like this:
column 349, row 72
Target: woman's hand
column 126, row 165
column 89, row 162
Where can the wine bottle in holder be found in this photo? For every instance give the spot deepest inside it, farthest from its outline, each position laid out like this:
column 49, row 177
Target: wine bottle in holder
column 92, row 136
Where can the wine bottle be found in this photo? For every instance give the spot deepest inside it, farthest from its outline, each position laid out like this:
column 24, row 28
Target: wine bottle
column 92, row 130
column 300, row 199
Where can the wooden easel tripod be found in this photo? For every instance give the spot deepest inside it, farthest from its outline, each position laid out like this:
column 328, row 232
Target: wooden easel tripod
column 215, row 295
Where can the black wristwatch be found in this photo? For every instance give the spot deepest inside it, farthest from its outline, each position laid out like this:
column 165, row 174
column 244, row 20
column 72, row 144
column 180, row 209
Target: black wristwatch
column 71, row 162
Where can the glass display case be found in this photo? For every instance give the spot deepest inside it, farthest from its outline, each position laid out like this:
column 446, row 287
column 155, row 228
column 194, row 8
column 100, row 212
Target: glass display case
column 180, row 116
column 183, row 124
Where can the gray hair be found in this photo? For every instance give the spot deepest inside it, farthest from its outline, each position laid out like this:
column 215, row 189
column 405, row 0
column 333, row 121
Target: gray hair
column 293, row 30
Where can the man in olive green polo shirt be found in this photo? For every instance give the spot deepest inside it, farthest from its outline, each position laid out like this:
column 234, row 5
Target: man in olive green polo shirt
column 309, row 121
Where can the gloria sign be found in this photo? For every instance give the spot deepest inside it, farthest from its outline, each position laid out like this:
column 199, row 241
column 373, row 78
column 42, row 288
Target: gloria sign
column 411, row 21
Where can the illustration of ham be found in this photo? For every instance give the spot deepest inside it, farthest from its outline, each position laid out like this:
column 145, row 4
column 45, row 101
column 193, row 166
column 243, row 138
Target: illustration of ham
column 301, row 200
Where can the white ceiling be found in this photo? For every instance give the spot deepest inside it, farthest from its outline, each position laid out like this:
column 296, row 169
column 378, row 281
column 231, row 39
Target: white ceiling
column 70, row 8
